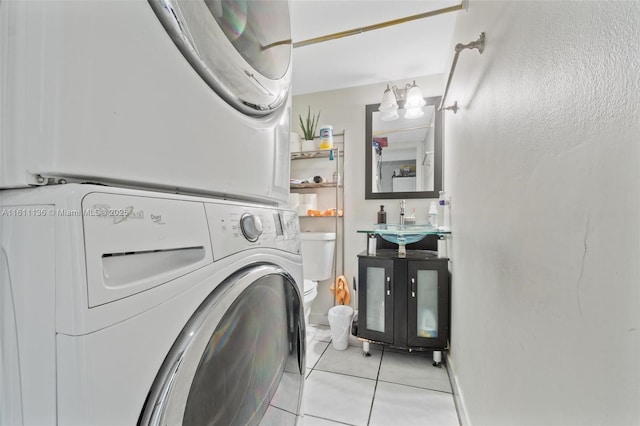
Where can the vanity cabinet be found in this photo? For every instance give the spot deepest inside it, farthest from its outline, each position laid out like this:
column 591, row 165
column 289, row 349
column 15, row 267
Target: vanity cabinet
column 404, row 301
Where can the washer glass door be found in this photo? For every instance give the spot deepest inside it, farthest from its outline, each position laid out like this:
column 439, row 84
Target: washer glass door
column 239, row 360
column 242, row 49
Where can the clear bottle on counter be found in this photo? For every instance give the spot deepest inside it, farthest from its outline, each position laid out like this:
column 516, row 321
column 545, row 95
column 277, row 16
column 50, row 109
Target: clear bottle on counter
column 432, row 216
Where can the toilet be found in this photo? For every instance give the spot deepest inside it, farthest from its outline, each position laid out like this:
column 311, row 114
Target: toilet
column 317, row 263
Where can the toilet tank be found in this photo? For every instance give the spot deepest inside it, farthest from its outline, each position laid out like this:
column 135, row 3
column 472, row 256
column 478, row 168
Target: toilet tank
column 317, row 254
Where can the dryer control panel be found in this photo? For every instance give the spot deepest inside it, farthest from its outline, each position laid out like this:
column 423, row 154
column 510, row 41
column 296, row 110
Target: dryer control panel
column 137, row 242
column 234, row 228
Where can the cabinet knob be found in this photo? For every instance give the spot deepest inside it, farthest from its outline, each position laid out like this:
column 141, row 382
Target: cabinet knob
column 413, row 287
column 388, row 286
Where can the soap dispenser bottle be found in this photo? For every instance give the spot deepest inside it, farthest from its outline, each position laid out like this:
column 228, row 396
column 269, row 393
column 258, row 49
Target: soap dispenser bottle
column 382, row 215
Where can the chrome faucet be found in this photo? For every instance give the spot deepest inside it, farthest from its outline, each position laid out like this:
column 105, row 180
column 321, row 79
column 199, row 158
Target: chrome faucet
column 402, row 212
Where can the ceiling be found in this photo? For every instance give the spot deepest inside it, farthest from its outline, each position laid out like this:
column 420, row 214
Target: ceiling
column 411, row 49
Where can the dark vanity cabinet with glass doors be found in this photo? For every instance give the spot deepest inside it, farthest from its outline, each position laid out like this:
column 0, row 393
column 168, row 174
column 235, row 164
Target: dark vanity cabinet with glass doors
column 404, row 301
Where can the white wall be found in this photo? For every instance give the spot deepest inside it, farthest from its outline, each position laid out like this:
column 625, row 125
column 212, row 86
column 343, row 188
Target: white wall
column 345, row 110
column 543, row 166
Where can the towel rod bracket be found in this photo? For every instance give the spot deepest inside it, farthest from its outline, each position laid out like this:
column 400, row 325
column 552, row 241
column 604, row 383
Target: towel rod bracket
column 476, row 44
column 453, row 107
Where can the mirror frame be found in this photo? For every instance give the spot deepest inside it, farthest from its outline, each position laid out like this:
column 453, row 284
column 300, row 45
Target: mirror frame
column 437, row 146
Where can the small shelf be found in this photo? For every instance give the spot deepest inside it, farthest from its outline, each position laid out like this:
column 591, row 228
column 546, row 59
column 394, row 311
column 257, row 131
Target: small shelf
column 322, row 153
column 328, row 164
column 314, row 185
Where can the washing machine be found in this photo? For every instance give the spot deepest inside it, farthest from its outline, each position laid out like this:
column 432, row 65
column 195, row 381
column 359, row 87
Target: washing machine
column 182, row 96
column 132, row 307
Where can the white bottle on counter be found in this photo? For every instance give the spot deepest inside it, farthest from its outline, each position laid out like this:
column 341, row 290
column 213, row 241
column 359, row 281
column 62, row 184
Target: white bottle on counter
column 445, row 205
column 432, row 216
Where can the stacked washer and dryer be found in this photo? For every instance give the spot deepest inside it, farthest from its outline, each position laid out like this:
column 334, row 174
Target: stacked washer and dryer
column 149, row 271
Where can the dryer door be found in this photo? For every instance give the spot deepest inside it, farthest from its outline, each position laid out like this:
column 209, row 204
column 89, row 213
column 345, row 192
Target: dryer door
column 242, row 49
column 240, row 358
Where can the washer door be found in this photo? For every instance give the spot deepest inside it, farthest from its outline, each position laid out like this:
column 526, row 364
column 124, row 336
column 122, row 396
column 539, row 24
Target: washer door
column 242, row 49
column 240, row 358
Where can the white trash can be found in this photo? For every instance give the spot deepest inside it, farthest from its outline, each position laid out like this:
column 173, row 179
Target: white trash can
column 340, row 322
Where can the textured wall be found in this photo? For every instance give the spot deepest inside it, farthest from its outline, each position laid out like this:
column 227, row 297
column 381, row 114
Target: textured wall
column 543, row 166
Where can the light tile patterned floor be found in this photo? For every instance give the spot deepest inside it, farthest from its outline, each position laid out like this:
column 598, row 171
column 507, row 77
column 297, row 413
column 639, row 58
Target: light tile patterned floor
column 389, row 388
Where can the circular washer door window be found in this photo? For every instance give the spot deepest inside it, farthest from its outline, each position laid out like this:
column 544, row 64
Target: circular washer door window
column 240, row 359
column 241, row 48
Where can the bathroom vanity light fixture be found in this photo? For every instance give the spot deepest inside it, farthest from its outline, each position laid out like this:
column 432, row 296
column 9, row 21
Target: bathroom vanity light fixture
column 410, row 97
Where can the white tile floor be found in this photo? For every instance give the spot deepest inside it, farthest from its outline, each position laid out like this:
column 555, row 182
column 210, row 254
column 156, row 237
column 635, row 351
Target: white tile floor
column 388, row 388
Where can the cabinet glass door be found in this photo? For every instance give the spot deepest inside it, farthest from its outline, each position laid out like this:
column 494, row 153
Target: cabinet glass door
column 427, row 312
column 376, row 300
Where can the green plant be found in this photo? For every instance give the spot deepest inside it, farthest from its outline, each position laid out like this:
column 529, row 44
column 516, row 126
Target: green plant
column 309, row 125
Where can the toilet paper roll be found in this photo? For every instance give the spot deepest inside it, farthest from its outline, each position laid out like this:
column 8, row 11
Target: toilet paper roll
column 294, row 200
column 371, row 247
column 302, row 209
column 312, row 200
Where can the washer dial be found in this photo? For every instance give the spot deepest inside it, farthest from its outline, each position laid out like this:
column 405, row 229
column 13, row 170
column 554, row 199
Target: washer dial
column 251, row 227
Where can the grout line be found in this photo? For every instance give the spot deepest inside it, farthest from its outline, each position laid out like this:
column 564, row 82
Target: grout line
column 327, row 419
column 457, row 397
column 320, row 357
column 375, row 388
column 345, row 374
column 416, row 387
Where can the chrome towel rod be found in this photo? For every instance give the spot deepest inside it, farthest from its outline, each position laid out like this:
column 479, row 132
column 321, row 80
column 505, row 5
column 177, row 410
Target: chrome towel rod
column 477, row 44
column 356, row 31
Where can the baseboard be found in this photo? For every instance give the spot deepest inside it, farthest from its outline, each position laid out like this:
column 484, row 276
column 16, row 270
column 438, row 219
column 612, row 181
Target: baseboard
column 319, row 319
column 457, row 393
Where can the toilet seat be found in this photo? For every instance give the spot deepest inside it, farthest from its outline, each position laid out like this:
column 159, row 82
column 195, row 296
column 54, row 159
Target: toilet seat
column 310, row 286
column 310, row 292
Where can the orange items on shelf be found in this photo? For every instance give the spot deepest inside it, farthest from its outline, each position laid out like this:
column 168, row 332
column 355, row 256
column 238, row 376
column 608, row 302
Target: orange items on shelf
column 328, row 212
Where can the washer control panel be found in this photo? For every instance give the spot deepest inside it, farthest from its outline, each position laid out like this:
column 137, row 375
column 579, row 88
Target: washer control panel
column 234, row 228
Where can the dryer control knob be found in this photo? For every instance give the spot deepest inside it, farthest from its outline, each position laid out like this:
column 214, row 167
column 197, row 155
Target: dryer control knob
column 251, row 226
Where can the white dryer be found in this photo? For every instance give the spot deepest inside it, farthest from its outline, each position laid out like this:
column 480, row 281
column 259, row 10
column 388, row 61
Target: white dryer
column 132, row 307
column 183, row 96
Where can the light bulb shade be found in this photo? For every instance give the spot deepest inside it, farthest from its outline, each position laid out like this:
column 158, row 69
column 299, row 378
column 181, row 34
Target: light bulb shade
column 414, row 97
column 388, row 102
column 413, row 113
column 390, row 115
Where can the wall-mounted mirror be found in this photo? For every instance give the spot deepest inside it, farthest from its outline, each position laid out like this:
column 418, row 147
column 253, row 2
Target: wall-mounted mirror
column 404, row 156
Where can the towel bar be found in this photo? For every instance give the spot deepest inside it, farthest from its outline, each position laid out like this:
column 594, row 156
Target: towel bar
column 477, row 44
